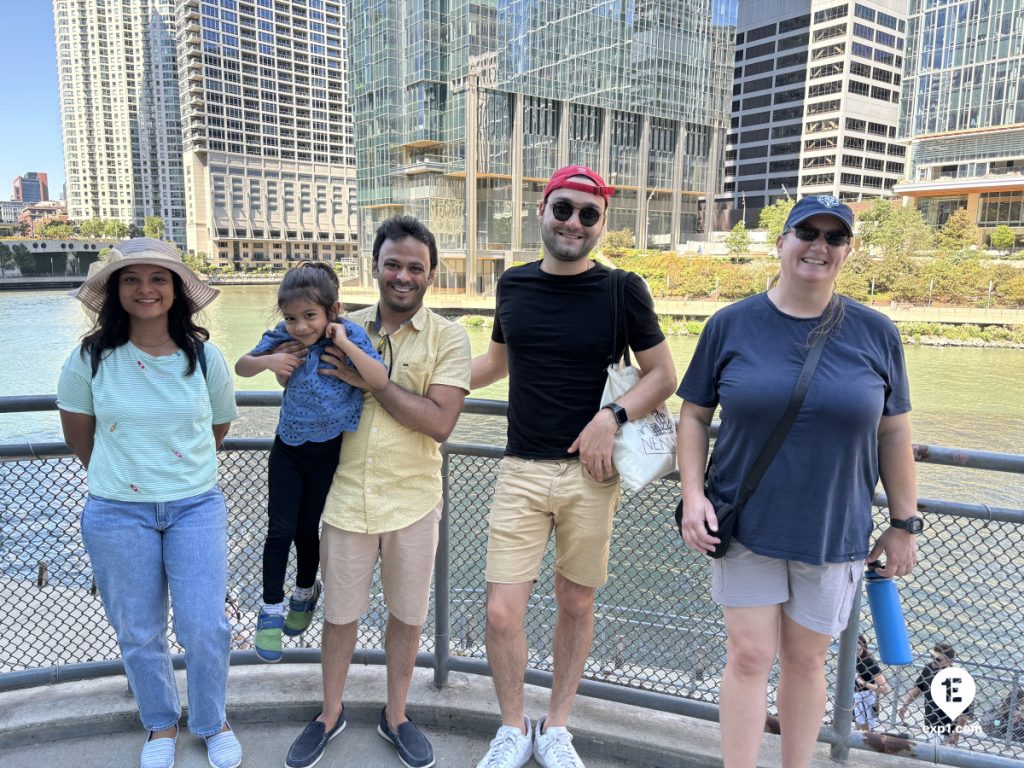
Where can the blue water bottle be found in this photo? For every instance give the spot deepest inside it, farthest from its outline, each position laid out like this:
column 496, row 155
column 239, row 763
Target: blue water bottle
column 887, row 614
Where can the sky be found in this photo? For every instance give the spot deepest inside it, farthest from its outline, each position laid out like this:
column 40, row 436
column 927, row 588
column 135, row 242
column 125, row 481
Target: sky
column 30, row 132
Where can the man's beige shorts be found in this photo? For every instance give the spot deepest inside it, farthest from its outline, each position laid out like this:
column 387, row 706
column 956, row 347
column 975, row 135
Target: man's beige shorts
column 531, row 498
column 406, row 556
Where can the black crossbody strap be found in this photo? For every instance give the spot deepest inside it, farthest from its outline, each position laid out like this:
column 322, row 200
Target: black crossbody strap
column 617, row 289
column 778, row 434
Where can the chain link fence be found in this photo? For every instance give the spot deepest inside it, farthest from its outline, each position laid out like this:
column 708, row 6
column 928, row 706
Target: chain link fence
column 656, row 627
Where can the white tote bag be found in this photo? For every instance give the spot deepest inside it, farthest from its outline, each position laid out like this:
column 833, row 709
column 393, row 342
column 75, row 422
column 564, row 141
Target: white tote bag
column 645, row 448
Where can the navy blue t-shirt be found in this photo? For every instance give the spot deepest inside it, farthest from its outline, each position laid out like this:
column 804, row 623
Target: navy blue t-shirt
column 814, row 502
column 557, row 330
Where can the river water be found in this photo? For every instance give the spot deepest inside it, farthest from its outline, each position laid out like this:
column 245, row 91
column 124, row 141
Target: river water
column 962, row 396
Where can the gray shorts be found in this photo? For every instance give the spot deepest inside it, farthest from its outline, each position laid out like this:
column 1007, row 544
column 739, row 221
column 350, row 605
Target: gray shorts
column 818, row 597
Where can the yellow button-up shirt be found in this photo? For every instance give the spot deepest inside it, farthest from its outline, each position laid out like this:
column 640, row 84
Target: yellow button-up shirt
column 389, row 475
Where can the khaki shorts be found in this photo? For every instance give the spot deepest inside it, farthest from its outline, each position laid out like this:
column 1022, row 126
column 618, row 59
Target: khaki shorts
column 818, row 597
column 531, row 498
column 347, row 561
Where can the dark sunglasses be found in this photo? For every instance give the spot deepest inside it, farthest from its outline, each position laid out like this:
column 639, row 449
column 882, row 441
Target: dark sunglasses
column 810, row 234
column 589, row 215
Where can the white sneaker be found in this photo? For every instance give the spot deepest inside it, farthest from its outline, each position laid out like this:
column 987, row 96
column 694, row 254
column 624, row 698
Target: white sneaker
column 509, row 748
column 553, row 748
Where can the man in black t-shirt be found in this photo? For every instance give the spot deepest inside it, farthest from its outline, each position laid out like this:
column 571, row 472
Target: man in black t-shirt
column 554, row 337
column 940, row 727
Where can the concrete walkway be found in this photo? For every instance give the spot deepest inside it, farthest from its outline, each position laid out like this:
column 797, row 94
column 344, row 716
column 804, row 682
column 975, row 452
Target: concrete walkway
column 93, row 724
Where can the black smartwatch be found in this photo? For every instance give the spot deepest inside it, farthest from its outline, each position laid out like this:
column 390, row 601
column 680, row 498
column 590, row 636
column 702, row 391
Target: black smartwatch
column 911, row 525
column 621, row 417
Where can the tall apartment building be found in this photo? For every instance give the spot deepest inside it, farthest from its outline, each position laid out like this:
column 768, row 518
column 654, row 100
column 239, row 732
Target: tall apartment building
column 120, row 115
column 815, row 106
column 269, row 159
column 31, row 188
column 963, row 111
column 463, row 110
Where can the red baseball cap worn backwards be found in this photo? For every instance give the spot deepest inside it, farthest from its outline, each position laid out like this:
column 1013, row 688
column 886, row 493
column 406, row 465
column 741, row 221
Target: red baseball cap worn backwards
column 560, row 180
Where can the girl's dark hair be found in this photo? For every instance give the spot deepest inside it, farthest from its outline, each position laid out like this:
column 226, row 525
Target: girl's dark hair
column 110, row 330
column 314, row 281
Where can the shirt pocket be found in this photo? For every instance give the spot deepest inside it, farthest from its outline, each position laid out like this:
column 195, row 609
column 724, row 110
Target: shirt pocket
column 415, row 377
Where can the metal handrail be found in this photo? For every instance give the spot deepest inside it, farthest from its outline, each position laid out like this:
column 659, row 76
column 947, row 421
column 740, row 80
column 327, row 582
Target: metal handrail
column 839, row 735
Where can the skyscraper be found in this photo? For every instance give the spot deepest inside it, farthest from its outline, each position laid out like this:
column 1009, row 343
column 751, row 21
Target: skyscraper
column 963, row 111
column 815, row 102
column 269, row 162
column 31, row 188
column 463, row 109
column 120, row 114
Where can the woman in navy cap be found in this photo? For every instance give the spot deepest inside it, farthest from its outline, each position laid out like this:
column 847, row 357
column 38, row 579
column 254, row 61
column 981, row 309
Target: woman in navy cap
column 787, row 581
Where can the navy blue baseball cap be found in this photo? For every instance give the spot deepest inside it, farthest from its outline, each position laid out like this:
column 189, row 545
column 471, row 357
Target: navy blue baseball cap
column 820, row 205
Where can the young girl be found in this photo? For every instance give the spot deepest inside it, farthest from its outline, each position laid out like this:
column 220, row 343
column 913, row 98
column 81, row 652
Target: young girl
column 315, row 411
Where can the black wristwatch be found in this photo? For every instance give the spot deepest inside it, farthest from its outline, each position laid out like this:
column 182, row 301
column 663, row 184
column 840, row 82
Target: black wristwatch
column 621, row 417
column 911, row 525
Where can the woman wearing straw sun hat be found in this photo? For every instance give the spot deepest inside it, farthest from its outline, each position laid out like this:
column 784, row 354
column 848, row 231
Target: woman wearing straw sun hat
column 145, row 401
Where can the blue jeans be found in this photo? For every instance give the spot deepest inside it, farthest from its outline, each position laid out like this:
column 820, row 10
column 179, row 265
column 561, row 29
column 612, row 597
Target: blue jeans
column 138, row 550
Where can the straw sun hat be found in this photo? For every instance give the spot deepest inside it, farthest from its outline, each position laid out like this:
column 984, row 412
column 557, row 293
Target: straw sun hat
column 142, row 250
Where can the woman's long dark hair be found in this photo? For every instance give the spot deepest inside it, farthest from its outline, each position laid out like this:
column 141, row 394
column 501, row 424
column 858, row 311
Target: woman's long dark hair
column 112, row 325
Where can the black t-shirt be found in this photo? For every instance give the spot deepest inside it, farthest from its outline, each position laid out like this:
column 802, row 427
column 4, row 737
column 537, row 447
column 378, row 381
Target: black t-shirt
column 557, row 330
column 933, row 716
column 867, row 669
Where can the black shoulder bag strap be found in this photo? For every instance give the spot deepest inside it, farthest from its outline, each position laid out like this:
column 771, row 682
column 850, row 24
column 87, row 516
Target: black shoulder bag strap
column 778, row 434
column 617, row 291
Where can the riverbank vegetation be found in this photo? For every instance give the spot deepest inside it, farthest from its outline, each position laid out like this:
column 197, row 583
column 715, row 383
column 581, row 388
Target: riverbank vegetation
column 897, row 257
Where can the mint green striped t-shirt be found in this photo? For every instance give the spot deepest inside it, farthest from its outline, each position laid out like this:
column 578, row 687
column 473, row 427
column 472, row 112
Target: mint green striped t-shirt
column 154, row 425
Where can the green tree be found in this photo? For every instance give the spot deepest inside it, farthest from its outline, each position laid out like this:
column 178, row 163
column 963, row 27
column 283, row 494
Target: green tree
column 154, row 227
column 1002, row 238
column 616, row 241
column 893, row 230
column 738, row 240
column 27, row 265
column 54, row 229
column 773, row 218
column 958, row 233
column 197, row 262
column 91, row 228
column 6, row 258
column 1011, row 291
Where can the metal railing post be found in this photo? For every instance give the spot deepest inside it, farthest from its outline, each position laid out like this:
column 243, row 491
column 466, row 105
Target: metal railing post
column 842, row 705
column 442, row 586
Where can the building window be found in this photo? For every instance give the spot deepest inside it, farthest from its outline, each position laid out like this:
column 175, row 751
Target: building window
column 829, row 14
column 797, row 22
column 764, row 49
column 863, row 12
column 760, row 33
column 827, row 33
column 818, row 179
column 822, row 107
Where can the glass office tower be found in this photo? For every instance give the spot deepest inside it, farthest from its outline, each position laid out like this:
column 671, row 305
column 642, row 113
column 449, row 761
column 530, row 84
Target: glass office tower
column 962, row 109
column 463, row 109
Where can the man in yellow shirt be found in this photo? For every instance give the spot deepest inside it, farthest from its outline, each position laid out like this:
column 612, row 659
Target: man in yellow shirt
column 386, row 496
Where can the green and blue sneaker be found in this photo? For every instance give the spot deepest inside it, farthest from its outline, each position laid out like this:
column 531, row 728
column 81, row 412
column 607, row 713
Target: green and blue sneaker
column 268, row 636
column 300, row 613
